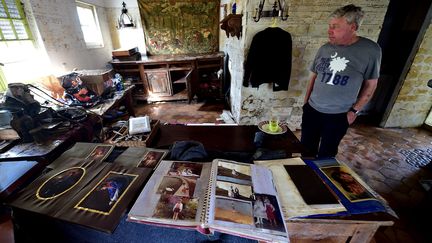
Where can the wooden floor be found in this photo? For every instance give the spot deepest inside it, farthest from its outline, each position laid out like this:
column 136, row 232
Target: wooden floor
column 385, row 158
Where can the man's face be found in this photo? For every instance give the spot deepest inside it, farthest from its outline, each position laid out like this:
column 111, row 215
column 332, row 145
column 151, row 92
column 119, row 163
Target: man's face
column 340, row 32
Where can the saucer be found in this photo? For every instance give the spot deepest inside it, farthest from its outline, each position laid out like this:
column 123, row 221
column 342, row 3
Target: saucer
column 264, row 126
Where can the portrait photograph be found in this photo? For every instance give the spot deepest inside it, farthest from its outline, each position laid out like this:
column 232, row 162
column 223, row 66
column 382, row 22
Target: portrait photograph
column 342, row 178
column 188, row 169
column 234, row 172
column 100, row 152
column 234, row 211
column 266, row 213
column 60, row 183
column 176, row 208
column 108, row 192
column 151, row 159
column 234, row 190
column 177, row 186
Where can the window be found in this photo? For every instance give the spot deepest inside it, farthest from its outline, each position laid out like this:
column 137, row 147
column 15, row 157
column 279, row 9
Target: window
column 13, row 24
column 89, row 25
column 14, row 31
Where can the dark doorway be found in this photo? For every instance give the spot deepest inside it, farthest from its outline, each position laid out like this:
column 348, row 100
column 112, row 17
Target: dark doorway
column 403, row 25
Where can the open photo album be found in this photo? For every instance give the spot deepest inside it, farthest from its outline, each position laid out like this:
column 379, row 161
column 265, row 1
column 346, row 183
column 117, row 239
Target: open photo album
column 224, row 196
column 304, row 193
column 322, row 188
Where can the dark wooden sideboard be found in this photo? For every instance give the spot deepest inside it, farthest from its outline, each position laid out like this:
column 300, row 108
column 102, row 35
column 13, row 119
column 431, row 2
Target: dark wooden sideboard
column 174, row 77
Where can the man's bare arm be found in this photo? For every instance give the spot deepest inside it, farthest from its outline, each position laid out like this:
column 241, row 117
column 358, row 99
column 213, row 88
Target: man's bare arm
column 365, row 95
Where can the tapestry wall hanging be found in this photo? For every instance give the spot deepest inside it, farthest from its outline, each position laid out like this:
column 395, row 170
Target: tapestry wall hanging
column 180, row 27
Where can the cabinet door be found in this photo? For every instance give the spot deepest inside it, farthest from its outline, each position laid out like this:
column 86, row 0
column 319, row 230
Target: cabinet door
column 158, row 82
column 210, row 82
column 131, row 72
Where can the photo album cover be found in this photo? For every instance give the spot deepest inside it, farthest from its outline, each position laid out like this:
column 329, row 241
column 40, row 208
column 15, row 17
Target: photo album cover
column 102, row 203
column 222, row 195
column 353, row 192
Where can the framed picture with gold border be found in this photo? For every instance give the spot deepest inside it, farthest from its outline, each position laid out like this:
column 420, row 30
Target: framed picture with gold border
column 102, row 203
column 347, row 183
column 60, row 183
column 105, row 196
column 49, row 193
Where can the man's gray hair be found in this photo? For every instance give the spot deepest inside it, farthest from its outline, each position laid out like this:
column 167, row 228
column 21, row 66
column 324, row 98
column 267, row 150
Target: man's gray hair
column 352, row 13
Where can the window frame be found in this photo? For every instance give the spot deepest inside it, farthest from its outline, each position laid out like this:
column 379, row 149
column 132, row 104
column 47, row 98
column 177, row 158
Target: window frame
column 91, row 45
column 22, row 18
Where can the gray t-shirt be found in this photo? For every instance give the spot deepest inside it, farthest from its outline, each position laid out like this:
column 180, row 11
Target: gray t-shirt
column 341, row 71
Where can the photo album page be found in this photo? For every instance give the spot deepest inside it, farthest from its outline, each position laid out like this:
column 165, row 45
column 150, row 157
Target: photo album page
column 174, row 195
column 225, row 196
column 244, row 202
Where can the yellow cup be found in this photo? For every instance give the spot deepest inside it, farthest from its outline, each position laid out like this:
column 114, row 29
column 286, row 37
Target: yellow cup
column 273, row 124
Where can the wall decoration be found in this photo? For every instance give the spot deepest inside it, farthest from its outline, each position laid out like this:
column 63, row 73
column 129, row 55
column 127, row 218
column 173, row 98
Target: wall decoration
column 180, row 27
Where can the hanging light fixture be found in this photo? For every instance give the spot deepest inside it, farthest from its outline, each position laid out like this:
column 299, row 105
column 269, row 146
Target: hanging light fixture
column 125, row 20
column 279, row 10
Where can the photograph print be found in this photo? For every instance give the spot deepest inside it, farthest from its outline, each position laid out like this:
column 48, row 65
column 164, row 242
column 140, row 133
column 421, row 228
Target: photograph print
column 176, row 190
column 60, row 183
column 177, row 186
column 175, row 208
column 234, row 190
column 151, row 159
column 234, row 172
column 187, row 169
column 342, row 178
column 266, row 213
column 234, row 211
column 99, row 153
column 104, row 197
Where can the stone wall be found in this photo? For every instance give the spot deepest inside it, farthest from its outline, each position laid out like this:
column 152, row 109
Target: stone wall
column 414, row 101
column 59, row 27
column 307, row 24
column 60, row 35
column 127, row 37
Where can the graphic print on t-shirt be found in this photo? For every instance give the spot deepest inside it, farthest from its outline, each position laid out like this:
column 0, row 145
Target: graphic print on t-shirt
column 337, row 64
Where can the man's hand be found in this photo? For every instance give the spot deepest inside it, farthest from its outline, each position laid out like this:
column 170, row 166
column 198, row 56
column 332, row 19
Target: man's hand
column 351, row 116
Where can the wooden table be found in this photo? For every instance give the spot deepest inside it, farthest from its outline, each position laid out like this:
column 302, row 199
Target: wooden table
column 122, row 97
column 56, row 142
column 226, row 138
column 359, row 228
column 336, row 230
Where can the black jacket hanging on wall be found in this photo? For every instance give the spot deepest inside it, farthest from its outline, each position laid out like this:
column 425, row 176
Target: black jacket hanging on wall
column 269, row 59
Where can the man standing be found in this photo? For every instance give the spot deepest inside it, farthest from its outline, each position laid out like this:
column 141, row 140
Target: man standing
column 344, row 76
